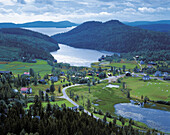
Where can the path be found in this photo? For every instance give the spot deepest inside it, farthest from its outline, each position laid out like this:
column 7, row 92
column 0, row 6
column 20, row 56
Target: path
column 138, row 63
column 65, row 96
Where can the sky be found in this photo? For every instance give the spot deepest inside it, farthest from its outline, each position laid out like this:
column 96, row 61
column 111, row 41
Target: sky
column 78, row 11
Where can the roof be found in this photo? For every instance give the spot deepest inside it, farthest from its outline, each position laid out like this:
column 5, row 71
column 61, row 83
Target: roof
column 26, row 73
column 5, row 72
column 24, row 89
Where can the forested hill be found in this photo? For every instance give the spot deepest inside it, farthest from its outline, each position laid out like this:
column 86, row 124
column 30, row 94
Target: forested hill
column 114, row 36
column 16, row 43
column 39, row 24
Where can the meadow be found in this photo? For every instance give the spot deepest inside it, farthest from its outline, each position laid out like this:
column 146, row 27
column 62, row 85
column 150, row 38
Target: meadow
column 154, row 89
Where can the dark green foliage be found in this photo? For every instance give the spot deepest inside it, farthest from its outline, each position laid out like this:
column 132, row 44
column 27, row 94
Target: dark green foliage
column 52, row 88
column 21, row 43
column 59, row 89
column 117, row 37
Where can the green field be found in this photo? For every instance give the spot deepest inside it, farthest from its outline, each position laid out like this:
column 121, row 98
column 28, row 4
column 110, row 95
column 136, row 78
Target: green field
column 154, row 89
column 59, row 102
column 99, row 94
column 20, row 67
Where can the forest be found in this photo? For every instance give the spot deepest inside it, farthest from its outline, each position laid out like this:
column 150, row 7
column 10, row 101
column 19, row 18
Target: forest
column 116, row 37
column 21, row 43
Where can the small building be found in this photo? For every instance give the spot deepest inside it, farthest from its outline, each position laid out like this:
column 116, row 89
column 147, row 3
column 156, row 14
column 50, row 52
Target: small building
column 54, row 78
column 62, row 74
column 165, row 74
column 137, row 56
column 127, row 73
column 142, row 62
column 150, row 66
column 26, row 90
column 152, row 63
column 42, row 81
column 166, row 78
column 26, row 73
column 146, row 77
column 158, row 73
column 5, row 72
column 15, row 90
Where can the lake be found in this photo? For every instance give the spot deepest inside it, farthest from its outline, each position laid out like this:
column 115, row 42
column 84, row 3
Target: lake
column 50, row 31
column 154, row 118
column 78, row 56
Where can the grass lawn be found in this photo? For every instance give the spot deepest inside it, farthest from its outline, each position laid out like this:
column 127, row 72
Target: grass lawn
column 99, row 94
column 20, row 67
column 154, row 89
column 129, row 64
column 59, row 102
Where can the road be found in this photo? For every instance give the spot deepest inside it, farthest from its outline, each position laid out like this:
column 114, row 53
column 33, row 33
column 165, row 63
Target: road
column 65, row 96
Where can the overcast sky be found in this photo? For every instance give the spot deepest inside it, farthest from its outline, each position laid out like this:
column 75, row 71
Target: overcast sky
column 78, row 11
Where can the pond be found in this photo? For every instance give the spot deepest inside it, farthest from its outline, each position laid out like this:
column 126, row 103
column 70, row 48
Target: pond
column 78, row 56
column 154, row 118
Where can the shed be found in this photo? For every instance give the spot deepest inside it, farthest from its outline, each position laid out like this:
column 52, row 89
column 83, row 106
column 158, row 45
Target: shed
column 26, row 90
column 158, row 73
column 54, row 78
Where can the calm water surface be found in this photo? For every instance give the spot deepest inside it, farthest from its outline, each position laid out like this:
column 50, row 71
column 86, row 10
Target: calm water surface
column 77, row 56
column 154, row 118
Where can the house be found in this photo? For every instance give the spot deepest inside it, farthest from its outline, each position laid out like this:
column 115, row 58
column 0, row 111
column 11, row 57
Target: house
column 137, row 56
column 26, row 90
column 62, row 74
column 158, row 73
column 152, row 63
column 5, row 72
column 149, row 66
column 15, row 90
column 142, row 62
column 127, row 73
column 165, row 74
column 54, row 78
column 26, row 73
column 42, row 81
column 166, row 78
column 146, row 77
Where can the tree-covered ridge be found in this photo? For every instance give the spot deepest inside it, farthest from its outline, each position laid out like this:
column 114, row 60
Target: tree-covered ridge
column 25, row 43
column 114, row 36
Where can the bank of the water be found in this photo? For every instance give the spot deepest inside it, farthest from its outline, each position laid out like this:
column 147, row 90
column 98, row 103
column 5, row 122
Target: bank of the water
column 153, row 118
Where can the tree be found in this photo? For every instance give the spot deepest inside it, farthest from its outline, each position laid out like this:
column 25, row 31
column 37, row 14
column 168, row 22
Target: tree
column 89, row 89
column 32, row 72
column 52, row 98
column 124, row 68
column 128, row 94
column 59, row 89
column 46, row 97
column 88, row 104
column 52, row 88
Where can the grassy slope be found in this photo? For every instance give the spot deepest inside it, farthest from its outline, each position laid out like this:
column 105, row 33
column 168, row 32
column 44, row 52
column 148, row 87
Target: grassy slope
column 108, row 96
column 20, row 67
column 154, row 89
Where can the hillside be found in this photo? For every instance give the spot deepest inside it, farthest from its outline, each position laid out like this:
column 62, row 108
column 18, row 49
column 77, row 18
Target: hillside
column 114, row 36
column 39, row 24
column 137, row 23
column 156, row 27
column 25, row 43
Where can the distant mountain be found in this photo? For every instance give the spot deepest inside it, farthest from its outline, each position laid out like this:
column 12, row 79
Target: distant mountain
column 39, row 24
column 137, row 23
column 16, row 43
column 114, row 36
column 156, row 27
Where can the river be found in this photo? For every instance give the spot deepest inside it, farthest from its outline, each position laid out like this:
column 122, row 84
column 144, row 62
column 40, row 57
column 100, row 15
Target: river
column 154, row 118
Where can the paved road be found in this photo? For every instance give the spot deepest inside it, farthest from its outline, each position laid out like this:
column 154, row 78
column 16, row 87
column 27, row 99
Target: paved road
column 65, row 96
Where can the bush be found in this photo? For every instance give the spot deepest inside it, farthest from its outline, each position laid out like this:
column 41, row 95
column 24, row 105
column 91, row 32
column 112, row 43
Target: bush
column 69, row 84
column 63, row 85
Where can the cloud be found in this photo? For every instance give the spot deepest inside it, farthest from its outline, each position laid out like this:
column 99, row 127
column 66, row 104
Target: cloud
column 145, row 9
column 82, row 10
